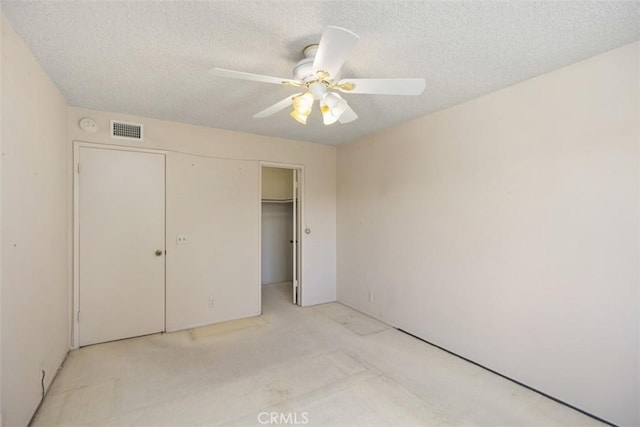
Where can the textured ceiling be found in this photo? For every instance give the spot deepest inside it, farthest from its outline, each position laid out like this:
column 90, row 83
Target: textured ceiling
column 152, row 58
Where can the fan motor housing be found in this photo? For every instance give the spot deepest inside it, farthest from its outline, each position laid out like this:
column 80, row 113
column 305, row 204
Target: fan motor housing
column 304, row 68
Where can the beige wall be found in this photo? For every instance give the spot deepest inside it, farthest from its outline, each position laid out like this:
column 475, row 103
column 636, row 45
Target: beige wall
column 35, row 235
column 187, row 193
column 505, row 229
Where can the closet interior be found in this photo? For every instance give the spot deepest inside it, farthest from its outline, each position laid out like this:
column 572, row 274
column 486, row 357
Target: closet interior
column 277, row 218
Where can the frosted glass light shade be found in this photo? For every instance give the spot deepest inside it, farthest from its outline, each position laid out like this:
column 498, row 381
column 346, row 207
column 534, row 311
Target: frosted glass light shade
column 332, row 106
column 302, row 105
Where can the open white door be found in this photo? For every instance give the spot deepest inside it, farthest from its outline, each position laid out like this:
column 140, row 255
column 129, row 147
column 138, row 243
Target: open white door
column 121, row 214
column 296, row 299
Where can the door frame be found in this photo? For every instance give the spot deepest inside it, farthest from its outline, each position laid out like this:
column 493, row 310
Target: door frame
column 75, row 303
column 300, row 222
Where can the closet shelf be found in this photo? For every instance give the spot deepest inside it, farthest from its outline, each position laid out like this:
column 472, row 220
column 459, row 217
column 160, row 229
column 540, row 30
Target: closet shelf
column 277, row 200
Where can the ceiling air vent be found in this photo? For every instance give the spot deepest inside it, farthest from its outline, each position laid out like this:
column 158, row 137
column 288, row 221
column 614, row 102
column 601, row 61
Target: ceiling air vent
column 124, row 130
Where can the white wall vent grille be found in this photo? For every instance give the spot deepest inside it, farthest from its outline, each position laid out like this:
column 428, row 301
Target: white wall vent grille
column 125, row 130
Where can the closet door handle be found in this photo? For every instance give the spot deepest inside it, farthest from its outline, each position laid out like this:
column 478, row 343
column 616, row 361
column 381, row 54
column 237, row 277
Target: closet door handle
column 159, row 252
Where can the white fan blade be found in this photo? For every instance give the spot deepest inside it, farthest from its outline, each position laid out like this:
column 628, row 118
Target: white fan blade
column 333, row 49
column 348, row 116
column 221, row 72
column 385, row 86
column 281, row 105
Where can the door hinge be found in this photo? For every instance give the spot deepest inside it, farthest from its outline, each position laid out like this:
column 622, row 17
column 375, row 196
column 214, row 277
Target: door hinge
column 78, row 167
column 78, row 316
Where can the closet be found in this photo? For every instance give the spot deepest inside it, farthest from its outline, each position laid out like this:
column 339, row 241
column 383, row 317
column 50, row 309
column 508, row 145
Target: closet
column 281, row 211
column 277, row 225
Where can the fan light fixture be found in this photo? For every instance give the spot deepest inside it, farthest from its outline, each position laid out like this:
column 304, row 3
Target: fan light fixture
column 318, row 73
column 332, row 105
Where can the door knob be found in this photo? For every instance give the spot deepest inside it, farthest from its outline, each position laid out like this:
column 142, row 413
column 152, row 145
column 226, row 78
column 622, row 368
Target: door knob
column 159, row 252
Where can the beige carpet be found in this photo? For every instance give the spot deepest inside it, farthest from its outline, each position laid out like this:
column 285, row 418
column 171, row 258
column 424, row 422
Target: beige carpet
column 321, row 366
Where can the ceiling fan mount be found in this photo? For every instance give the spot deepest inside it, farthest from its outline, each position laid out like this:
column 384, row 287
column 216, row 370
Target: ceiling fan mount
column 303, row 70
column 319, row 74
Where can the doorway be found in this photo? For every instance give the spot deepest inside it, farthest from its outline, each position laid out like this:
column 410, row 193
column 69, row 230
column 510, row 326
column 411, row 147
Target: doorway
column 119, row 244
column 280, row 230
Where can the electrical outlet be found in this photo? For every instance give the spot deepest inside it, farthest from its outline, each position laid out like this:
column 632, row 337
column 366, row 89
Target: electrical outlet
column 211, row 302
column 181, row 239
column 370, row 296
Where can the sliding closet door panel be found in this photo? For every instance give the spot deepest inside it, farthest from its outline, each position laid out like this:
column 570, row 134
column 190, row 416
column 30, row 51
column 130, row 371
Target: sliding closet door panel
column 213, row 272
column 121, row 244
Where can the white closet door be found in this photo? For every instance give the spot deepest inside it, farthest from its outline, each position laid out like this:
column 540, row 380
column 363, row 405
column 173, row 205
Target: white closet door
column 296, row 288
column 122, row 242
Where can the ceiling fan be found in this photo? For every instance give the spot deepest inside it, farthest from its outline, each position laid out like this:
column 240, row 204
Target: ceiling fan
column 318, row 75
